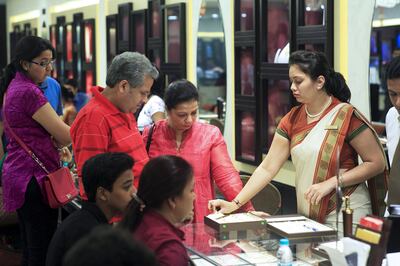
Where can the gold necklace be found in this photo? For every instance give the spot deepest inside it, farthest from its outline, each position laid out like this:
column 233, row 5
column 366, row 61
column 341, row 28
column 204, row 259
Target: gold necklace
column 323, row 109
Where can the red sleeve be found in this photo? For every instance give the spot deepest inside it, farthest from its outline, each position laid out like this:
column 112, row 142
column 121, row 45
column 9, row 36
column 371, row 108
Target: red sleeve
column 172, row 253
column 224, row 173
column 284, row 127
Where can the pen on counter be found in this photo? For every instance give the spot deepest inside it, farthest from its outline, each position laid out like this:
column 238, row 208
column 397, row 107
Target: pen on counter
column 310, row 228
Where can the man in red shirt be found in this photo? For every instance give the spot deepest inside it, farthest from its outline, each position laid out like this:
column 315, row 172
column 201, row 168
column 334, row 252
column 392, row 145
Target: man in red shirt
column 107, row 123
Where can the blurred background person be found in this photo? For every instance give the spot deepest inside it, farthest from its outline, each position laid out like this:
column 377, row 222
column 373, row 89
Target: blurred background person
column 154, row 109
column 106, row 246
column 69, row 109
column 80, row 98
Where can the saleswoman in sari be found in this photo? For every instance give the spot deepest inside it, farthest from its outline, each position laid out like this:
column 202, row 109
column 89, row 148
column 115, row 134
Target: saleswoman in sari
column 317, row 132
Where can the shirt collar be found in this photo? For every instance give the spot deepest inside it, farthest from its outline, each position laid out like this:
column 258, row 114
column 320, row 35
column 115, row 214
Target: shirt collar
column 94, row 210
column 97, row 93
column 21, row 76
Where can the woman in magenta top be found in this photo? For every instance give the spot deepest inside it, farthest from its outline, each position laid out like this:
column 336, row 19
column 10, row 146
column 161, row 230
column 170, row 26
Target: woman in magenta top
column 33, row 120
column 164, row 201
column 201, row 144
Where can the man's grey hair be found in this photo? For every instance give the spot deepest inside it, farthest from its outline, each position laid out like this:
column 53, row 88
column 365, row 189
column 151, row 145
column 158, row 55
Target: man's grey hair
column 130, row 66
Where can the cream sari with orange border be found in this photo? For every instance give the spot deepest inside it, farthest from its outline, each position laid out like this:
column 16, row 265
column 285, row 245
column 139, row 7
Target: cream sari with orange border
column 314, row 157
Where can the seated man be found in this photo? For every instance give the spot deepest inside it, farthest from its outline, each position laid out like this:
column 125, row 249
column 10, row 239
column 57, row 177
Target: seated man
column 107, row 179
column 106, row 246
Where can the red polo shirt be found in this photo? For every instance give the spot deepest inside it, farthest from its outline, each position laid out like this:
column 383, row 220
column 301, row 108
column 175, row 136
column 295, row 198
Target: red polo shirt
column 100, row 127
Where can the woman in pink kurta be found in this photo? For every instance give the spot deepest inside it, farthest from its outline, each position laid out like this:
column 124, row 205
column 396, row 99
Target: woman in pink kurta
column 202, row 145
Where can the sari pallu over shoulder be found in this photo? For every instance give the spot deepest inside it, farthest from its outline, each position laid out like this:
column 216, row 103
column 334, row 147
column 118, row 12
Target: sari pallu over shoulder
column 330, row 133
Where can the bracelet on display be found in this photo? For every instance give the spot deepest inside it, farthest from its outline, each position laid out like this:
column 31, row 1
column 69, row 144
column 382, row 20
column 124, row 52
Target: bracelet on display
column 237, row 202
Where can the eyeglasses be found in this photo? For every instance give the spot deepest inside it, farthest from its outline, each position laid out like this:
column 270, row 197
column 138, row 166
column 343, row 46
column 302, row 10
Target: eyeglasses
column 44, row 64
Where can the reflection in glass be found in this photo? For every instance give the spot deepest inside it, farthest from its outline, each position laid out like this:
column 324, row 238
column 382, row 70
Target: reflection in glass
column 314, row 12
column 155, row 17
column 246, row 15
column 246, row 71
column 279, row 103
column 139, row 28
column 60, row 62
column 78, row 53
column 247, row 130
column 211, row 57
column 278, row 31
column 88, row 42
column 54, row 44
column 69, row 44
column 318, row 47
column 173, row 36
column 89, row 81
column 155, row 57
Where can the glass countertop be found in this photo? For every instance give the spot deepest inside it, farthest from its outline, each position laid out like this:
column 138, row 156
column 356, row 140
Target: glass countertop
column 248, row 247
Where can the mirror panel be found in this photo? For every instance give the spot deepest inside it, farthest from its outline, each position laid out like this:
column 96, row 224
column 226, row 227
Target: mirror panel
column 211, row 59
column 384, row 45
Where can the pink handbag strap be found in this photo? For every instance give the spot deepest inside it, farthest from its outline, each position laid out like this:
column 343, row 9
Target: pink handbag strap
column 20, row 142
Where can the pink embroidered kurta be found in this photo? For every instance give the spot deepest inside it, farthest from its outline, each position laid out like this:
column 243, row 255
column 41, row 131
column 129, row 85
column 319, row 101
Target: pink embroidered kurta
column 203, row 146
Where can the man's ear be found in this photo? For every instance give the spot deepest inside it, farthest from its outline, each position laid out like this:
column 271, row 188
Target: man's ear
column 123, row 86
column 101, row 193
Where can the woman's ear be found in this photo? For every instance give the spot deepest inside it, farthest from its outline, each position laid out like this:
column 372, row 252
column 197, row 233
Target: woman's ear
column 24, row 64
column 171, row 203
column 320, row 82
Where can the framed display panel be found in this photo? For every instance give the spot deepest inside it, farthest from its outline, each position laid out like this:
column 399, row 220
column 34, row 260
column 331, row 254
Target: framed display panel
column 60, row 37
column 275, row 30
column 313, row 28
column 246, row 134
column 123, row 33
column 53, row 41
column 155, row 56
column 175, row 33
column 155, row 18
column 77, row 38
column 89, row 55
column 112, row 40
column 245, row 12
column 279, row 102
column 266, row 32
column 68, row 54
column 245, row 66
column 139, row 31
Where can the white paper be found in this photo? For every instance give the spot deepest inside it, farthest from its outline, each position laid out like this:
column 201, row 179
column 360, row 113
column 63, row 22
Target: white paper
column 201, row 262
column 258, row 257
column 302, row 226
column 393, row 259
column 227, row 259
column 336, row 257
column 351, row 245
column 234, row 218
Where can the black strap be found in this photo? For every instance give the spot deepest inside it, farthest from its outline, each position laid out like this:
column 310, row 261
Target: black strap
column 149, row 137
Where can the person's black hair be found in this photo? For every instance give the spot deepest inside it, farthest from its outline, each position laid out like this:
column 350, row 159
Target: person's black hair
column 158, row 87
column 67, row 94
column 102, row 170
column 26, row 49
column 162, row 178
column 72, row 82
column 315, row 64
column 180, row 91
column 105, row 246
column 393, row 69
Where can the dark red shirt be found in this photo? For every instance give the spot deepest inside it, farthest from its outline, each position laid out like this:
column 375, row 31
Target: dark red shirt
column 100, row 127
column 163, row 238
